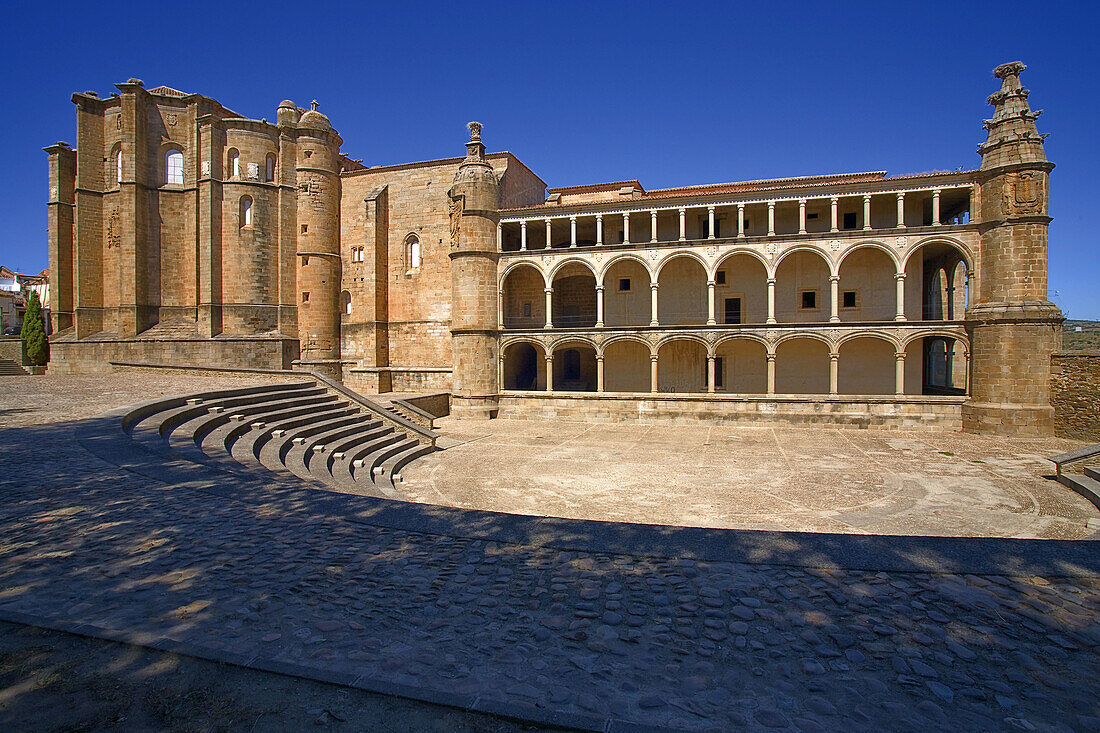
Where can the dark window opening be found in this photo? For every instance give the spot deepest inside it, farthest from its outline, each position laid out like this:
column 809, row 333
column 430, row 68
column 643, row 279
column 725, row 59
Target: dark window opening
column 733, row 310
column 526, row 310
column 717, row 227
column 850, row 220
column 809, row 299
column 811, row 216
column 305, row 297
column 622, row 236
column 720, row 278
column 571, row 364
column 624, row 284
column 305, row 228
column 849, row 299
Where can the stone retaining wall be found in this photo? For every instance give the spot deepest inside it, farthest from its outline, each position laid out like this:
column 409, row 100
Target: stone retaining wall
column 12, row 348
column 1075, row 394
column 87, row 357
column 941, row 413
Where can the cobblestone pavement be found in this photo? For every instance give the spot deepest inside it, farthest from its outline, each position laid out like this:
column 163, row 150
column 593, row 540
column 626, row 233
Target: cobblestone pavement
column 774, row 478
column 591, row 638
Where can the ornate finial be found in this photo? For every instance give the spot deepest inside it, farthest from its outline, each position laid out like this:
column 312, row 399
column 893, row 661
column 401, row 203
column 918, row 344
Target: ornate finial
column 313, row 105
column 475, row 131
column 1012, row 68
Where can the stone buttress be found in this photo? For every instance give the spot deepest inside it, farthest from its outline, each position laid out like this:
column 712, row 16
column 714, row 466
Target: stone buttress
column 1013, row 327
column 475, row 201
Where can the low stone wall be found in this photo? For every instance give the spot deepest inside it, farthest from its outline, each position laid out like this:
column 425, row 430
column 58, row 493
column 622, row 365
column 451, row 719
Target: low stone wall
column 1075, row 394
column 941, row 413
column 397, row 379
column 436, row 405
column 12, row 348
column 90, row 357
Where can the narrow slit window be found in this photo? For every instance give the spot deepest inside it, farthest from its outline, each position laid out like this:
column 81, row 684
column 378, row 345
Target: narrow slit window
column 246, row 212
column 118, row 166
column 270, row 168
column 234, row 164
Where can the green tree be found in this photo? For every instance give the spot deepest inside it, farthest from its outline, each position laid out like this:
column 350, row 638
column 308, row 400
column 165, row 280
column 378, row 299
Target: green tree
column 34, row 332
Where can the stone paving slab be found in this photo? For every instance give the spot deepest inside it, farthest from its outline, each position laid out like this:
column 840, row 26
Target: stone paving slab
column 582, row 623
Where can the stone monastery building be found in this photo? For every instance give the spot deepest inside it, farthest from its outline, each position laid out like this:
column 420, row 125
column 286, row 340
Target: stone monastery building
column 184, row 233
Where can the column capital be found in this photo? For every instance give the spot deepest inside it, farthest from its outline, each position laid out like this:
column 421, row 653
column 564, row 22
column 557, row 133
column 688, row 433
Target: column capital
column 771, row 204
column 711, row 208
column 711, row 284
column 653, row 357
column 936, row 191
column 834, row 199
column 599, row 288
column 573, row 217
column 834, row 356
column 599, row 357
column 899, row 275
column 548, row 291
column 547, row 220
column 834, row 278
column 770, row 357
column 771, row 281
column 653, row 286
column 802, row 202
column 523, row 223
column 549, row 356
column 740, row 206
column 653, row 212
column 599, row 217
column 866, row 197
column 682, row 210
column 901, row 194
column 899, row 355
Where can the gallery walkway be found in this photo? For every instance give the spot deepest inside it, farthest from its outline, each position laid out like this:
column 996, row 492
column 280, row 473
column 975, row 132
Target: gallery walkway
column 595, row 625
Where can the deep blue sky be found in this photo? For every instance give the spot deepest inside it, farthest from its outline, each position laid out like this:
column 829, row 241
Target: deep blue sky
column 668, row 93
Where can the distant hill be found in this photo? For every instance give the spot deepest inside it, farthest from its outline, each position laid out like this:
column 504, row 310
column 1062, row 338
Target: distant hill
column 1087, row 339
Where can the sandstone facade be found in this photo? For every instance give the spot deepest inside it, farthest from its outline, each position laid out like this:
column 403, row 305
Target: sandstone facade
column 181, row 231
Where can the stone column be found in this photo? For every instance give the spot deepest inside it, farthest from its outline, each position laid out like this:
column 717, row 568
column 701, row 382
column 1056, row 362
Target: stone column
column 549, row 307
column 901, row 209
column 523, row 235
column 710, row 222
column 710, row 302
column 740, row 220
column 802, row 216
column 899, row 314
column 1013, row 328
column 549, row 372
column 683, row 224
column 500, row 370
column 653, row 373
column 599, row 229
column 771, row 373
column 834, row 299
column 771, row 218
column 572, row 231
column 935, row 207
column 710, row 374
column 899, row 372
column 833, row 216
column 653, row 305
column 599, row 306
column 626, row 227
column 549, row 241
column 834, row 372
column 771, row 300
column 599, row 372
column 500, row 237
column 653, row 225
column 867, row 212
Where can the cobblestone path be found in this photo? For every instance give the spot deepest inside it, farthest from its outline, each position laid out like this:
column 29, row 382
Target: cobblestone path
column 584, row 638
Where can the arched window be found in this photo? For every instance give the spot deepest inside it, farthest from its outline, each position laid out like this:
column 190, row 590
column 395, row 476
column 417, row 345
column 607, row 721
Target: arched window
column 270, row 167
column 173, row 167
column 412, row 252
column 234, row 163
column 246, row 211
column 118, row 166
column 346, row 297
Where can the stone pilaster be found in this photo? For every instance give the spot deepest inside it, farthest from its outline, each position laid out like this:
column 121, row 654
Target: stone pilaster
column 1013, row 327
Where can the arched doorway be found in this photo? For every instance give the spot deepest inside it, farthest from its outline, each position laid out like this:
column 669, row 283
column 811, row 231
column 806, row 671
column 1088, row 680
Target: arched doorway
column 524, row 367
column 802, row 366
column 574, row 368
column 524, row 298
column 867, row 365
column 574, row 298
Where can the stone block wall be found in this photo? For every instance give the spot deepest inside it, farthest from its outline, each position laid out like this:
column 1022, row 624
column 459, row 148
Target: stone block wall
column 1075, row 394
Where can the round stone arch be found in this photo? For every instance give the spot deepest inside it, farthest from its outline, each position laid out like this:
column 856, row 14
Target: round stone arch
column 682, row 364
column 573, row 359
column 873, row 244
column 565, row 262
column 631, row 306
column 802, row 363
column 741, row 296
column 741, row 364
column 930, row 369
column 603, row 272
column 682, row 297
column 935, row 288
column 627, row 363
column 799, row 272
column 867, row 286
column 574, row 299
column 676, row 254
column 866, row 363
column 968, row 255
column 523, row 364
column 829, row 262
column 523, row 296
column 516, row 264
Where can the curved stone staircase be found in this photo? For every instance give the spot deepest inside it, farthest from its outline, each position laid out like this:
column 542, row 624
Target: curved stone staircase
column 304, row 432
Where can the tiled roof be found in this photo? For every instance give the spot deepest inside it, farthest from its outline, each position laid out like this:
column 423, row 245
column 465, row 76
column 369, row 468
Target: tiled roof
column 594, row 187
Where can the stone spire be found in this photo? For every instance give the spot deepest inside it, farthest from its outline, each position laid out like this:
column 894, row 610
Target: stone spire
column 1013, row 137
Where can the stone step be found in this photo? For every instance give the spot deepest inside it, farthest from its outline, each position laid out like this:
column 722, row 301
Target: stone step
column 321, row 465
column 273, row 452
column 12, row 368
column 393, row 470
column 246, row 450
column 371, row 467
column 1092, row 473
column 1086, row 486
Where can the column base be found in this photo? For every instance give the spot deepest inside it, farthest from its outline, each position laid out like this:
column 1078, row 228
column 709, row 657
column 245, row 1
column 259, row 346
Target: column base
column 474, row 408
column 1010, row 419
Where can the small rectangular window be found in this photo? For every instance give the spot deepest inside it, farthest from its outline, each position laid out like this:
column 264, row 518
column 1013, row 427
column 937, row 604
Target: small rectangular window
column 811, row 216
column 305, row 297
column 809, row 299
column 720, row 277
column 624, row 284
column 849, row 299
column 733, row 310
column 850, row 220
column 526, row 310
column 622, row 236
column 717, row 227
column 305, row 228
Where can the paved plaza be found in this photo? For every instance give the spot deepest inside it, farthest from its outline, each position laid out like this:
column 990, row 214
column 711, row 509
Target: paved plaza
column 814, row 479
column 600, row 626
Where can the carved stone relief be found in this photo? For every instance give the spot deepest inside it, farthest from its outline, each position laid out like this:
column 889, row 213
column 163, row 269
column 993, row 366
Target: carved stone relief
column 1023, row 193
